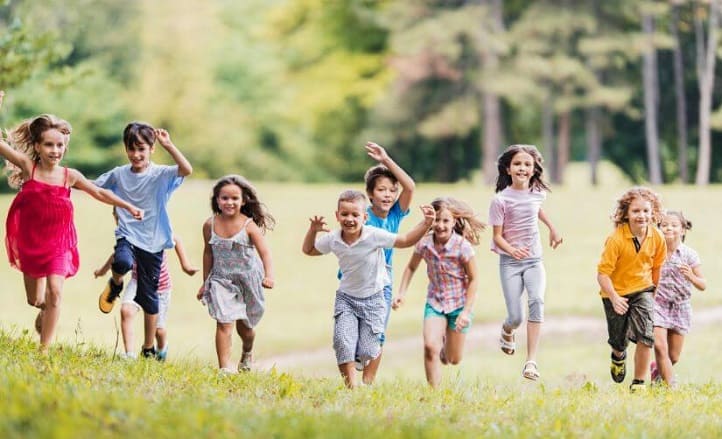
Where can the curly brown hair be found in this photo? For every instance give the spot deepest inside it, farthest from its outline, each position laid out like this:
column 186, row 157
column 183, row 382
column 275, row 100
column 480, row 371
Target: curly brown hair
column 621, row 211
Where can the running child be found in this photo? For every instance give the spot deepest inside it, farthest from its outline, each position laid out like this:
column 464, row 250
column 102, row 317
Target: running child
column 360, row 307
column 628, row 273
column 142, row 243
column 237, row 266
column 672, row 302
column 514, row 214
column 40, row 237
column 451, row 268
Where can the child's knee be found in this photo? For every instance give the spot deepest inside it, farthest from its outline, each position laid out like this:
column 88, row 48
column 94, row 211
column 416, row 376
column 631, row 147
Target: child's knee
column 514, row 321
column 431, row 350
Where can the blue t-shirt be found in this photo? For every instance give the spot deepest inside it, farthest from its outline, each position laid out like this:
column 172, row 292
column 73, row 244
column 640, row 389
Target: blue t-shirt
column 391, row 223
column 150, row 191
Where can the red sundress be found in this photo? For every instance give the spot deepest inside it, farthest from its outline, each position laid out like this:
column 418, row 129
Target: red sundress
column 40, row 236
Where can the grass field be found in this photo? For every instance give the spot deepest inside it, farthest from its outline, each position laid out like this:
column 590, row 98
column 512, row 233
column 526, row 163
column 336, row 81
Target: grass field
column 298, row 313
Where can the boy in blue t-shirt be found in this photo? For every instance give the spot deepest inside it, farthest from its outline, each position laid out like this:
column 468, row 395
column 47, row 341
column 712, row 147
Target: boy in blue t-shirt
column 388, row 207
column 148, row 186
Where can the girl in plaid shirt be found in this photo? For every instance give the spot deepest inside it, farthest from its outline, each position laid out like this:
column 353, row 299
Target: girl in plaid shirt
column 451, row 268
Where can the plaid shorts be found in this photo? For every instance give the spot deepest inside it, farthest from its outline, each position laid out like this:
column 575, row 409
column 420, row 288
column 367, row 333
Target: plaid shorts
column 636, row 325
column 358, row 324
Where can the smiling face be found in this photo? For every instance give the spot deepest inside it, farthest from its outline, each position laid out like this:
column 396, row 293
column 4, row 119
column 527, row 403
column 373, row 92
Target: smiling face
column 639, row 215
column 443, row 226
column 383, row 196
column 351, row 215
column 521, row 170
column 51, row 147
column 672, row 229
column 230, row 200
column 139, row 156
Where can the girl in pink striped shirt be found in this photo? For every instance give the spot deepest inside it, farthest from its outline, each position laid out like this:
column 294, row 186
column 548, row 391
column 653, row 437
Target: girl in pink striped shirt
column 451, row 268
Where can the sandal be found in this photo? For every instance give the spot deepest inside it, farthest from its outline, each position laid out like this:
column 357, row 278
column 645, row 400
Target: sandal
column 530, row 371
column 507, row 346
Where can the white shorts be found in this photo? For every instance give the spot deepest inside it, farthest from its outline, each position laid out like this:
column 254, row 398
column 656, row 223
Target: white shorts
column 163, row 301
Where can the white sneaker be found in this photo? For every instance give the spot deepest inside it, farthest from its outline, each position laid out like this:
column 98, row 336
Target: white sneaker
column 360, row 365
column 226, row 371
column 130, row 356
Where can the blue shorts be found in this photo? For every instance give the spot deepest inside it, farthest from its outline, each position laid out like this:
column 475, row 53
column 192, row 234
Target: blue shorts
column 148, row 272
column 451, row 317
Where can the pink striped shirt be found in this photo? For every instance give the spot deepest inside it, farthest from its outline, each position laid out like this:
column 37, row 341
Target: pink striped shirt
column 164, row 283
column 445, row 269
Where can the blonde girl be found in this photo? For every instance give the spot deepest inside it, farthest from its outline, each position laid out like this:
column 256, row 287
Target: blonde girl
column 40, row 238
column 672, row 308
column 451, row 268
column 237, row 265
column 514, row 214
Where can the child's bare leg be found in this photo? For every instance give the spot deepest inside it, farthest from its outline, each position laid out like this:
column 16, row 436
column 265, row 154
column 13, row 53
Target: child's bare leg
column 161, row 338
column 675, row 341
column 661, row 353
column 224, row 331
column 434, row 330
column 149, row 323
column 348, row 373
column 35, row 291
column 533, row 333
column 127, row 312
column 248, row 335
column 454, row 347
column 369, row 373
column 51, row 309
column 642, row 356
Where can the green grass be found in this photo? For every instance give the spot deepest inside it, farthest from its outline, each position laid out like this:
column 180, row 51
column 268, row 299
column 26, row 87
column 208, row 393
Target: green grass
column 298, row 312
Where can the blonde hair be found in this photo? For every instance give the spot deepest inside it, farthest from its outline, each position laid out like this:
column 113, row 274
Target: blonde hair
column 466, row 224
column 621, row 212
column 25, row 136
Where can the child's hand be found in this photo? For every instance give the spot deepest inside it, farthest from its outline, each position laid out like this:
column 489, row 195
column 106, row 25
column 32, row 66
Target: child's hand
column 619, row 304
column 267, row 282
column 137, row 213
column 201, row 292
column 555, row 239
column 163, row 137
column 429, row 213
column 686, row 271
column 318, row 224
column 190, row 271
column 519, row 253
column 99, row 272
column 397, row 302
column 376, row 152
column 462, row 321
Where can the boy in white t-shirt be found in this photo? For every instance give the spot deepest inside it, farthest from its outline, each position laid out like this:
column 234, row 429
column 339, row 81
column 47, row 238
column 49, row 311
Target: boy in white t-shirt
column 360, row 308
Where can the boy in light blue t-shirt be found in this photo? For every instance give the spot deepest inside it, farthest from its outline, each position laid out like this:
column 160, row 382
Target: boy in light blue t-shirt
column 148, row 186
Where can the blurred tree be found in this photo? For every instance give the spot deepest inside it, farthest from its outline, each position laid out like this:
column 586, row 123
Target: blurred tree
column 706, row 59
column 651, row 92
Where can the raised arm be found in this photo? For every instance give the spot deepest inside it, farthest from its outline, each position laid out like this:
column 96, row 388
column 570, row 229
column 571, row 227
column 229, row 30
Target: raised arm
column 17, row 158
column 78, row 181
column 184, row 166
column 259, row 241
column 180, row 251
column 318, row 224
column 406, row 279
column 554, row 237
column 207, row 256
column 414, row 235
column 378, row 153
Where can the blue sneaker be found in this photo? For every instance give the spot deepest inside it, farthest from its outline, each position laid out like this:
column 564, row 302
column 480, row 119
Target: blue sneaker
column 162, row 354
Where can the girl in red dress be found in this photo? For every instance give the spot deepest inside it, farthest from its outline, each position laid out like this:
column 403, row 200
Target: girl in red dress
column 40, row 237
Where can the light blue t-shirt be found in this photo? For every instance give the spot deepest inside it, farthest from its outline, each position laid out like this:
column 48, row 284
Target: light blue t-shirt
column 150, row 191
column 390, row 223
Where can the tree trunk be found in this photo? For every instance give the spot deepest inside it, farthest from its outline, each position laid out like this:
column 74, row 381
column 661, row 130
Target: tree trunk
column 649, row 75
column 548, row 139
column 594, row 142
column 680, row 97
column 563, row 145
column 705, row 73
column 491, row 116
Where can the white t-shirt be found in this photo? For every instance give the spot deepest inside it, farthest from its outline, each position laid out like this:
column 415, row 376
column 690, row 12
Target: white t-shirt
column 518, row 214
column 362, row 264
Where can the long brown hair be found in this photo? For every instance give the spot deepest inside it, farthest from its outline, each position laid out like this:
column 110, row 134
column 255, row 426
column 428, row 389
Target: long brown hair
column 536, row 182
column 252, row 207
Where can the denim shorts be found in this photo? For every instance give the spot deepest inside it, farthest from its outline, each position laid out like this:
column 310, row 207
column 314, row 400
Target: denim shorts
column 450, row 317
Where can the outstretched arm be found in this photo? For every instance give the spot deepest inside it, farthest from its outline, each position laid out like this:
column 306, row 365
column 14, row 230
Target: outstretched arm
column 78, row 181
column 419, row 230
column 317, row 225
column 554, row 237
column 406, row 279
column 184, row 166
column 378, row 153
column 259, row 241
column 103, row 269
column 180, row 251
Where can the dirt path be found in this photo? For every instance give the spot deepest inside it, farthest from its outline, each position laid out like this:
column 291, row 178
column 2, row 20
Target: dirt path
column 485, row 334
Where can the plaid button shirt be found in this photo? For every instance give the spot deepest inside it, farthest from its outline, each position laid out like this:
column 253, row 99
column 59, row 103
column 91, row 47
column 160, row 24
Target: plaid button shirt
column 445, row 268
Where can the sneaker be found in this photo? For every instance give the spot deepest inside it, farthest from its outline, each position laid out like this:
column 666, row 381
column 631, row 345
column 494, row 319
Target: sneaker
column 108, row 296
column 637, row 386
column 246, row 361
column 148, row 352
column 360, row 365
column 618, row 368
column 226, row 371
column 654, row 373
column 129, row 356
column 162, row 354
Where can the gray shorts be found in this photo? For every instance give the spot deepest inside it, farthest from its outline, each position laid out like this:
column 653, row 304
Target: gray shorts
column 358, row 324
column 636, row 325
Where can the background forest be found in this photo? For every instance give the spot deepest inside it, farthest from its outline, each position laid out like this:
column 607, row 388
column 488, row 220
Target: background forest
column 289, row 90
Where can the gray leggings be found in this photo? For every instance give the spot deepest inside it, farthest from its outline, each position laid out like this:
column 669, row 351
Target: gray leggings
column 516, row 276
